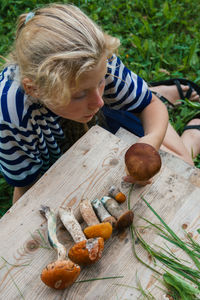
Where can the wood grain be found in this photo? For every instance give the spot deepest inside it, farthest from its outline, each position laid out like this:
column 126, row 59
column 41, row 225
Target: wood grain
column 88, row 169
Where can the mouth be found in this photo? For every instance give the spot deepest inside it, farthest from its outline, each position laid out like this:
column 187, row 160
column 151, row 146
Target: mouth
column 90, row 116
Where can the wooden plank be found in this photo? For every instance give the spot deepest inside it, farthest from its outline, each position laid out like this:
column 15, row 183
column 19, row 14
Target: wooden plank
column 87, row 170
column 174, row 163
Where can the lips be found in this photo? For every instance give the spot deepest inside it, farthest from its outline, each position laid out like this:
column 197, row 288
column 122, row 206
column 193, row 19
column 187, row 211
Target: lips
column 91, row 115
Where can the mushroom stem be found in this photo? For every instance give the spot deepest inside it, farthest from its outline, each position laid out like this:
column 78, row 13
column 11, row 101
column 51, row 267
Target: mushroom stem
column 84, row 251
column 72, row 225
column 63, row 272
column 88, row 213
column 124, row 217
column 102, row 213
column 95, row 228
column 51, row 224
column 112, row 206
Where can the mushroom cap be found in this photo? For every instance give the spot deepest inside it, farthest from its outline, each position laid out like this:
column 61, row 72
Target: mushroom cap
column 142, row 161
column 125, row 220
column 87, row 252
column 120, row 197
column 60, row 274
column 103, row 230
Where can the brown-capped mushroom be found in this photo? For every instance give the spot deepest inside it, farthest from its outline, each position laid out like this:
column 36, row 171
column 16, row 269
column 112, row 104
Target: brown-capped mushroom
column 116, row 194
column 142, row 161
column 63, row 272
column 95, row 228
column 85, row 251
column 124, row 217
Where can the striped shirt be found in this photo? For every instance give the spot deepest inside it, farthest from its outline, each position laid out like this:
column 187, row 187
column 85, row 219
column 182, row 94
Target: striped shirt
column 29, row 132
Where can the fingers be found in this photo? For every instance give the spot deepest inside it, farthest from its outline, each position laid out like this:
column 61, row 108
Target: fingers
column 131, row 180
column 194, row 96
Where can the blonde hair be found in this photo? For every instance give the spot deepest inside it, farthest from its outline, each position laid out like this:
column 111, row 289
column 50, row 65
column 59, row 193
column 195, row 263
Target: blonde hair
column 56, row 46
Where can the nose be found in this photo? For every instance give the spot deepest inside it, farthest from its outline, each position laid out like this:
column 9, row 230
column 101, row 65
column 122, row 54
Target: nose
column 95, row 101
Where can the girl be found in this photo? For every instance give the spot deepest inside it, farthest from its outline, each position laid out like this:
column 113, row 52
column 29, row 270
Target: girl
column 64, row 67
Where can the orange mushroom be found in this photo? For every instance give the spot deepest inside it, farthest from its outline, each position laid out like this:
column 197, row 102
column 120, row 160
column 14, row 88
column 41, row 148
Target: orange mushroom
column 63, row 272
column 95, row 228
column 85, row 251
column 116, row 194
column 124, row 217
column 142, row 161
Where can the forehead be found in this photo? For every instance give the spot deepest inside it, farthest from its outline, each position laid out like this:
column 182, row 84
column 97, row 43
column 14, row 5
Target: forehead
column 91, row 78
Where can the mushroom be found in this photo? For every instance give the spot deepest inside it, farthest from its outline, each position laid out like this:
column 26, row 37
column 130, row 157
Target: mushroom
column 116, row 194
column 95, row 228
column 124, row 218
column 102, row 213
column 63, row 272
column 142, row 161
column 85, row 251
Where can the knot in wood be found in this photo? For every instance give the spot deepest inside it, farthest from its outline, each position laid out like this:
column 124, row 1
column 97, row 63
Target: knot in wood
column 32, row 245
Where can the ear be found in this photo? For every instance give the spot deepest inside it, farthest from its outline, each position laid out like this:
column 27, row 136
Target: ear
column 30, row 88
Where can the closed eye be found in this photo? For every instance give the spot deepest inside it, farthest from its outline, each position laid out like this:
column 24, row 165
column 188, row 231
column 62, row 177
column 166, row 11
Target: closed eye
column 80, row 96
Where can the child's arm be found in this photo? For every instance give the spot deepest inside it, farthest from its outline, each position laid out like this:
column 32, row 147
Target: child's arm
column 19, row 191
column 155, row 121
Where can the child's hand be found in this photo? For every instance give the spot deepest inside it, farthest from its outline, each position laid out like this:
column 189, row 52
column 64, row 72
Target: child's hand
column 130, row 179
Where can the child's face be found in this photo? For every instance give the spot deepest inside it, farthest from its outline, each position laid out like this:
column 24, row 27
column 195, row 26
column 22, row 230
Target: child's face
column 86, row 98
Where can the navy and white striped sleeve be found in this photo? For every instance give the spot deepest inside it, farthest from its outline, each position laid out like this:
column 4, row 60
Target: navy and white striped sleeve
column 124, row 90
column 20, row 162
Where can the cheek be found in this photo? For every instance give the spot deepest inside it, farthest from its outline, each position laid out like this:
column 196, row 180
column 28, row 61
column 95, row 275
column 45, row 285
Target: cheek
column 101, row 89
column 75, row 107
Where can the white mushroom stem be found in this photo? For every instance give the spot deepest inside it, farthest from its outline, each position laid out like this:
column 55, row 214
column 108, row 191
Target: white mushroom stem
column 71, row 224
column 88, row 213
column 51, row 226
column 100, row 210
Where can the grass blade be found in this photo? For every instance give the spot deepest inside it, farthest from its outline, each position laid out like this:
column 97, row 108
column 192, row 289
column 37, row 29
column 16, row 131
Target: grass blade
column 172, row 233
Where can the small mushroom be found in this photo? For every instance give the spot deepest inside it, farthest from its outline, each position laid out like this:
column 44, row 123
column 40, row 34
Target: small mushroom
column 124, row 218
column 116, row 194
column 142, row 161
column 63, row 272
column 95, row 228
column 102, row 213
column 85, row 251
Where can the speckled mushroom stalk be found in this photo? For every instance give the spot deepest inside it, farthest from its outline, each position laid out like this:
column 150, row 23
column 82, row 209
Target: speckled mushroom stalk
column 63, row 272
column 102, row 213
column 124, row 217
column 95, row 228
column 84, row 251
column 115, row 193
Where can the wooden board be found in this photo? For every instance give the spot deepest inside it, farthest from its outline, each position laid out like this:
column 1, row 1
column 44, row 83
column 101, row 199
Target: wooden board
column 88, row 169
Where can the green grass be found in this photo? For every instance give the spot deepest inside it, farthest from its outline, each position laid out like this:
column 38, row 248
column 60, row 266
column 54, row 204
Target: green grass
column 160, row 39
